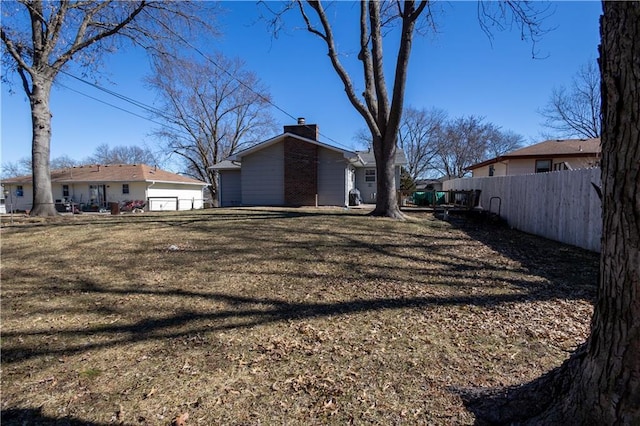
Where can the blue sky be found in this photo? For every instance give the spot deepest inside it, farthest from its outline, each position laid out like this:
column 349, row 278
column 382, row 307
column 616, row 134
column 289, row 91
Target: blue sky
column 459, row 69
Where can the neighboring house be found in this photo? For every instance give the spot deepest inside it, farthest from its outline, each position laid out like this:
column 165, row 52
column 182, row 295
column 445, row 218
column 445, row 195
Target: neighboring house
column 3, row 207
column 551, row 155
column 295, row 169
column 94, row 187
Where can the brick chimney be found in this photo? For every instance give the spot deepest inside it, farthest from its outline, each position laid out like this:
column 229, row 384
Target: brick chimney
column 300, row 165
column 309, row 131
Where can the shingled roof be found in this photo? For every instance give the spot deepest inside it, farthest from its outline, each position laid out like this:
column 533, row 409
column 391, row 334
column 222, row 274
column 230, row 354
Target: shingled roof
column 111, row 173
column 369, row 159
column 557, row 148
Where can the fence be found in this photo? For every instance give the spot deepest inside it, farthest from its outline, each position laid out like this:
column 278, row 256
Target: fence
column 562, row 206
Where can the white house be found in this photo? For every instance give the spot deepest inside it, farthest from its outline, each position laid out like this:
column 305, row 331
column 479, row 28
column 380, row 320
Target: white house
column 94, row 187
column 296, row 169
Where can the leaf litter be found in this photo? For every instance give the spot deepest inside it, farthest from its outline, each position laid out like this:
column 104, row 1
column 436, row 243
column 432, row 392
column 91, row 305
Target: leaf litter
column 262, row 316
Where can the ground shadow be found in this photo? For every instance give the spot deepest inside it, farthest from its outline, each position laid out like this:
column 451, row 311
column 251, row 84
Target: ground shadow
column 568, row 269
column 243, row 312
column 33, row 416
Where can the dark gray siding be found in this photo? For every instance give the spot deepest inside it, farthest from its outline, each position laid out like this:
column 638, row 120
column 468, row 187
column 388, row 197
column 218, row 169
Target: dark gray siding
column 263, row 177
column 332, row 175
column 230, row 188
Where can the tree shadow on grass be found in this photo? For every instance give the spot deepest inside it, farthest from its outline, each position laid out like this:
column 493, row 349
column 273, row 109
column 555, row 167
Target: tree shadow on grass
column 541, row 257
column 521, row 404
column 34, row 416
column 569, row 269
column 243, row 312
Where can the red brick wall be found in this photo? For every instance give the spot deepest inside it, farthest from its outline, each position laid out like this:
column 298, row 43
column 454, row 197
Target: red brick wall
column 300, row 172
column 309, row 131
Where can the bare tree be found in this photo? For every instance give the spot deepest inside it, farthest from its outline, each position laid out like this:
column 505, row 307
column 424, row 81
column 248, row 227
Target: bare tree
column 42, row 37
column 63, row 162
column 213, row 109
column 363, row 137
column 500, row 142
column 380, row 106
column 419, row 136
column 465, row 141
column 23, row 166
column 461, row 143
column 104, row 154
column 599, row 384
column 575, row 111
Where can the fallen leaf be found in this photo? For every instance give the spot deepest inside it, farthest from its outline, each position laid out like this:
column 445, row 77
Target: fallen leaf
column 181, row 420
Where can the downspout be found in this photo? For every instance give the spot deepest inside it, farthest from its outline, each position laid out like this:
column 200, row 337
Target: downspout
column 153, row 182
column 202, row 189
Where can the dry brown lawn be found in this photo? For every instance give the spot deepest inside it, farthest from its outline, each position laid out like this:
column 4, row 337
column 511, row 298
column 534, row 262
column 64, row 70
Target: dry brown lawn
column 277, row 316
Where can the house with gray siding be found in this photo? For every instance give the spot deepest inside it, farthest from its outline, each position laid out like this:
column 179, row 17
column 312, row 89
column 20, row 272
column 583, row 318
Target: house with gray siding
column 296, row 169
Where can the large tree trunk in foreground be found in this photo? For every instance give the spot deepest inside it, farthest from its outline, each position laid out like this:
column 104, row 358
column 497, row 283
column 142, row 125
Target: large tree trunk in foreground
column 41, row 147
column 600, row 383
column 612, row 367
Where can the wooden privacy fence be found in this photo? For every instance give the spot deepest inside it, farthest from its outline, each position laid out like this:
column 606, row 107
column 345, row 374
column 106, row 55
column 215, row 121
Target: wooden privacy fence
column 562, row 206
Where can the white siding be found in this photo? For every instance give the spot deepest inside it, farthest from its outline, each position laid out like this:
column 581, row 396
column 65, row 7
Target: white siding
column 230, row 189
column 79, row 191
column 162, row 204
column 189, row 196
column 15, row 203
column 263, row 176
column 562, row 206
column 499, row 169
column 521, row 167
column 137, row 191
column 367, row 189
column 524, row 166
column 332, row 187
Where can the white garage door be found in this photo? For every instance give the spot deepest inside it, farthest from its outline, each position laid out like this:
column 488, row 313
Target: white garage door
column 163, row 204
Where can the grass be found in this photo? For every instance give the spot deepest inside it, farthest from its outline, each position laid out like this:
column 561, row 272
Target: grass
column 278, row 316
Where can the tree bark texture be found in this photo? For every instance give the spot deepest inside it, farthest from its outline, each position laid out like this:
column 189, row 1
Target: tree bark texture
column 41, row 146
column 600, row 383
column 386, row 198
column 613, row 361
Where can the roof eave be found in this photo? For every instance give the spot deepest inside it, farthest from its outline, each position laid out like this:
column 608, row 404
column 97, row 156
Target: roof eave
column 238, row 156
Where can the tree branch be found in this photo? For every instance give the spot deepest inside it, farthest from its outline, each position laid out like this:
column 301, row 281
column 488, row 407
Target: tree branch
column 340, row 70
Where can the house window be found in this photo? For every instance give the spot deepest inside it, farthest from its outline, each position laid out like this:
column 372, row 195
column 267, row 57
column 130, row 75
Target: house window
column 370, row 175
column 19, row 191
column 543, row 166
column 125, row 188
column 65, row 191
column 492, row 170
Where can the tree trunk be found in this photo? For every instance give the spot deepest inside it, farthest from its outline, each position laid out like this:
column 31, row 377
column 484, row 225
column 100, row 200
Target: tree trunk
column 41, row 147
column 613, row 362
column 386, row 198
column 600, row 383
column 213, row 187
